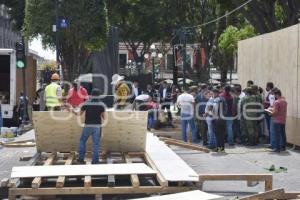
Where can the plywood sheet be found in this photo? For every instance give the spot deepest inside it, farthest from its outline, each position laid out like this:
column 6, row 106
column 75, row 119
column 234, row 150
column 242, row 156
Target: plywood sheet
column 80, row 170
column 274, row 57
column 192, row 195
column 169, row 164
column 60, row 131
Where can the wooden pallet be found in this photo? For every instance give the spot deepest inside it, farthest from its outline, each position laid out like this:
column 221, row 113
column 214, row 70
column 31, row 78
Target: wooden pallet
column 95, row 185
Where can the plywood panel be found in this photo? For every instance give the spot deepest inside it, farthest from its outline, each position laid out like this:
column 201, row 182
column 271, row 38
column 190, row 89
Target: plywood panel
column 169, row 164
column 80, row 170
column 274, row 57
column 192, row 195
column 60, row 131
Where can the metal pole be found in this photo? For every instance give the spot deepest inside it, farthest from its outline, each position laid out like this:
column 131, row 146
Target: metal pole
column 175, row 69
column 153, row 71
column 183, row 33
column 57, row 36
column 24, row 82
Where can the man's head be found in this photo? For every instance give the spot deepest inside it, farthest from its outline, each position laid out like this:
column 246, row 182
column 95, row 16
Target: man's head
column 227, row 89
column 55, row 77
column 149, row 87
column 277, row 93
column 250, row 83
column 164, row 84
column 204, row 87
column 255, row 89
column 95, row 93
column 269, row 86
column 216, row 92
column 248, row 91
column 238, row 89
column 136, row 83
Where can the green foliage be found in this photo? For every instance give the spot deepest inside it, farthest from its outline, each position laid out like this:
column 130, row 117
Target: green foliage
column 88, row 22
column 228, row 41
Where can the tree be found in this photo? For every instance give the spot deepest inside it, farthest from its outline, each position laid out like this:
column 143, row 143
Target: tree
column 270, row 15
column 87, row 29
column 228, row 41
column 16, row 12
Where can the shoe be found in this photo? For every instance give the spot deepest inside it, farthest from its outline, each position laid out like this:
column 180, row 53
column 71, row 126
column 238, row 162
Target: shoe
column 205, row 144
column 231, row 144
column 275, row 150
column 222, row 150
column 269, row 147
column 95, row 162
column 80, row 161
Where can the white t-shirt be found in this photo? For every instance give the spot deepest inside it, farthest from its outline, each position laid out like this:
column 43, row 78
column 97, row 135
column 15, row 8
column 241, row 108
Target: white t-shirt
column 186, row 103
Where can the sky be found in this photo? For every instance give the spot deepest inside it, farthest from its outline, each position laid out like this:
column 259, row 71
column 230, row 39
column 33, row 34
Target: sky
column 36, row 45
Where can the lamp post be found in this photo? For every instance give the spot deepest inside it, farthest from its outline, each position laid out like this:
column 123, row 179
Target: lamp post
column 154, row 53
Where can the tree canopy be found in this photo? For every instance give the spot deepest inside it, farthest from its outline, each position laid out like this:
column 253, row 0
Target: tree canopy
column 87, row 29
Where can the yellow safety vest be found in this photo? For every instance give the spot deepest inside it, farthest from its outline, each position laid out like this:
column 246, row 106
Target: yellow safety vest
column 52, row 99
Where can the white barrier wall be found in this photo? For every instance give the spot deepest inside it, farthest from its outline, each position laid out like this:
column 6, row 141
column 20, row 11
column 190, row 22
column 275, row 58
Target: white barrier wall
column 275, row 57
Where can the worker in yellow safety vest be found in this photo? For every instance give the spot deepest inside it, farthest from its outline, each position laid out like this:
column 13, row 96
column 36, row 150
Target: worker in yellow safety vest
column 53, row 94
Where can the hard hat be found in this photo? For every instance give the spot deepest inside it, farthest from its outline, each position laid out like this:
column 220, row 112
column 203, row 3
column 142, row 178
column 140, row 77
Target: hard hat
column 55, row 76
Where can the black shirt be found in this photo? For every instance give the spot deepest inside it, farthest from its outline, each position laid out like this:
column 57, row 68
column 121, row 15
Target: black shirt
column 93, row 111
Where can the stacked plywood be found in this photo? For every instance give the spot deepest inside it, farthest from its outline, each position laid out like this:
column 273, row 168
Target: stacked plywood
column 274, row 57
column 60, row 131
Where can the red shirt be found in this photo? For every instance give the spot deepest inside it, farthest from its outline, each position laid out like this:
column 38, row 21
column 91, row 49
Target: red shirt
column 280, row 111
column 75, row 98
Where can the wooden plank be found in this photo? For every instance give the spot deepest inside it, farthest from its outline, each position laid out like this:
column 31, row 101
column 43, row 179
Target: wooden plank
column 185, row 145
column 272, row 194
column 88, row 179
column 169, row 164
column 191, row 195
column 111, row 182
column 80, row 170
column 96, row 190
column 128, row 136
column 38, row 180
column 267, row 178
column 161, row 180
column 134, row 177
column 61, row 179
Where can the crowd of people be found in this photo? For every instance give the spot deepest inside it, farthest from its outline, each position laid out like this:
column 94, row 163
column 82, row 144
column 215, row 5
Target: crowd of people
column 216, row 114
column 220, row 114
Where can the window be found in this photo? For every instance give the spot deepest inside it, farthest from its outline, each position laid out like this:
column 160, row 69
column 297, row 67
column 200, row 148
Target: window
column 122, row 60
column 170, row 62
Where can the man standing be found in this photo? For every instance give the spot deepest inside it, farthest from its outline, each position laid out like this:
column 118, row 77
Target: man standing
column 201, row 101
column 269, row 101
column 279, row 113
column 94, row 112
column 136, row 90
column 77, row 95
column 186, row 102
column 122, row 92
column 53, row 94
column 165, row 95
column 229, row 114
column 23, row 108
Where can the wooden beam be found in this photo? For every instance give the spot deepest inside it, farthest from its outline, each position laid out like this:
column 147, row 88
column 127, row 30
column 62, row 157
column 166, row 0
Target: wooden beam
column 134, row 177
column 185, row 145
column 38, row 180
column 161, row 180
column 267, row 178
column 96, row 190
column 111, row 182
column 88, row 179
column 272, row 194
column 61, row 179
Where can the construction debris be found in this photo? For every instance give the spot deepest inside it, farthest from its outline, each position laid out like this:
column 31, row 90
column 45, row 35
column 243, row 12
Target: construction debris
column 186, row 145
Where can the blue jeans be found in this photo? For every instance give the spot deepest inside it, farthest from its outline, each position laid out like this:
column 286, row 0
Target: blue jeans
column 279, row 136
column 272, row 134
column 229, row 131
column 211, row 133
column 86, row 133
column 186, row 120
